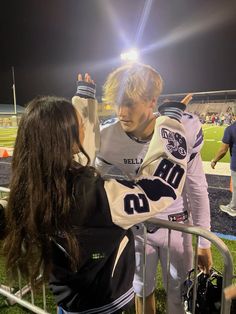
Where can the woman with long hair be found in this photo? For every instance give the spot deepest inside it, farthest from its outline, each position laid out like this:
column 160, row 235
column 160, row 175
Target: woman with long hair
column 65, row 222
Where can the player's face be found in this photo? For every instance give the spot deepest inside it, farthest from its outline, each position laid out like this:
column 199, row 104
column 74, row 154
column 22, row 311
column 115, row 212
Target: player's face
column 135, row 116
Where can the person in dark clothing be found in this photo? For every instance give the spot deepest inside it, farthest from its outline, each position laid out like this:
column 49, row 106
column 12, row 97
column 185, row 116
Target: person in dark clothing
column 65, row 222
column 228, row 144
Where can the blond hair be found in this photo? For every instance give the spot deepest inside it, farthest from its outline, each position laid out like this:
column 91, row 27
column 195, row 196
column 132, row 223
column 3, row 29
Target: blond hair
column 134, row 81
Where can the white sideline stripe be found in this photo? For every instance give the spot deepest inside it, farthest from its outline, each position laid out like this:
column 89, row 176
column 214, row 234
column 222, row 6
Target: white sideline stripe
column 5, row 163
column 218, row 188
column 212, row 140
column 221, row 168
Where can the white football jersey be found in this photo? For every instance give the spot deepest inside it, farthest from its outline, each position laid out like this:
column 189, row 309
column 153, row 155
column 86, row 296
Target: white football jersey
column 121, row 156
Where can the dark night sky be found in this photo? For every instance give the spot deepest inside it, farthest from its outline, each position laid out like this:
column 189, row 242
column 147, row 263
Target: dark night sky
column 192, row 43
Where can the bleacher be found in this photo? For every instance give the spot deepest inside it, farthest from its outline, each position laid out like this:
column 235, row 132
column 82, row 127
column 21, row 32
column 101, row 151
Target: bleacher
column 204, row 108
column 8, row 117
column 8, row 109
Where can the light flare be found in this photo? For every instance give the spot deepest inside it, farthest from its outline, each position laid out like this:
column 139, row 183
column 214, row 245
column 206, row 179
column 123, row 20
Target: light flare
column 198, row 24
column 131, row 55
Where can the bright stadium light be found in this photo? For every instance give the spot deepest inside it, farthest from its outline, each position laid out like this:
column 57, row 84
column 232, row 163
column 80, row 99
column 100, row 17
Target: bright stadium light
column 131, row 55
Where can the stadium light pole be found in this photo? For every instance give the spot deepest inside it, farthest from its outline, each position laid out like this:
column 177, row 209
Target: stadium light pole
column 14, row 89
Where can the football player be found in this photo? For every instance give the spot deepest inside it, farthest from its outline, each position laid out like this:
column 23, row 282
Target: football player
column 133, row 90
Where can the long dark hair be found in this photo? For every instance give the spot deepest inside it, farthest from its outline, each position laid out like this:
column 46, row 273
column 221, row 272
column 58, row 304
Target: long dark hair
column 41, row 190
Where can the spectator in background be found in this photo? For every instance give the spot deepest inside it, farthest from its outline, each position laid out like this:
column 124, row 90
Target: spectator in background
column 202, row 118
column 208, row 118
column 213, row 119
column 217, row 119
column 222, row 119
column 228, row 143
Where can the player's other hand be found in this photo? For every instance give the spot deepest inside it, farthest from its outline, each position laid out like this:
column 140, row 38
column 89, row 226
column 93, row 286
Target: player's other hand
column 205, row 260
column 213, row 164
column 87, row 78
column 230, row 292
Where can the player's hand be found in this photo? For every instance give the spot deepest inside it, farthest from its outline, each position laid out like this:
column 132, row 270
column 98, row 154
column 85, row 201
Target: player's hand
column 87, row 78
column 213, row 164
column 86, row 88
column 230, row 292
column 205, row 260
column 187, row 99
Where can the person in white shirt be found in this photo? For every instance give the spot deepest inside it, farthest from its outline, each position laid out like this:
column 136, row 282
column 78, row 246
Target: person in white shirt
column 133, row 90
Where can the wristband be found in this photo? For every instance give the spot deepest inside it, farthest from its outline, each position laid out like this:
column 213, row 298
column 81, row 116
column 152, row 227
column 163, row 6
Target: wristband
column 86, row 90
column 172, row 109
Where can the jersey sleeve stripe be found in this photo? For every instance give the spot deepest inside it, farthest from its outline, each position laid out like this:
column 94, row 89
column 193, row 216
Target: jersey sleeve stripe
column 200, row 133
column 192, row 156
column 199, row 139
column 103, row 160
column 199, row 142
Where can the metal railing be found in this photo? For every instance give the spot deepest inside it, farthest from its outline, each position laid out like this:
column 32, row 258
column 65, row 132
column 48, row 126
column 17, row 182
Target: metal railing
column 197, row 232
column 3, row 191
column 227, row 272
column 17, row 297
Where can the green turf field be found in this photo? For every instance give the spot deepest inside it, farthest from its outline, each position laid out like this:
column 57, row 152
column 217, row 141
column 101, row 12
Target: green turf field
column 160, row 292
column 212, row 140
column 7, row 137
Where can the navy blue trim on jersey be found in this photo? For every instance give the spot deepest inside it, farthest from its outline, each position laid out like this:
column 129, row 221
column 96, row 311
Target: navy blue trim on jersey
column 109, row 121
column 103, row 160
column 138, row 140
column 187, row 114
column 192, row 156
column 199, row 138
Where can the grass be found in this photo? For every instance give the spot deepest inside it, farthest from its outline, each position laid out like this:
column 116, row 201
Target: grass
column 160, row 292
column 7, row 137
column 212, row 141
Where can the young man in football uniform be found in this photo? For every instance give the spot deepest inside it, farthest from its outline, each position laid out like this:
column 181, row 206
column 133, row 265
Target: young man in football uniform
column 133, row 90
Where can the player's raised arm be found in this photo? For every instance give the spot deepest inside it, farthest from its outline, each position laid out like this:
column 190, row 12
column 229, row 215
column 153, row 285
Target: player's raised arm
column 86, row 106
